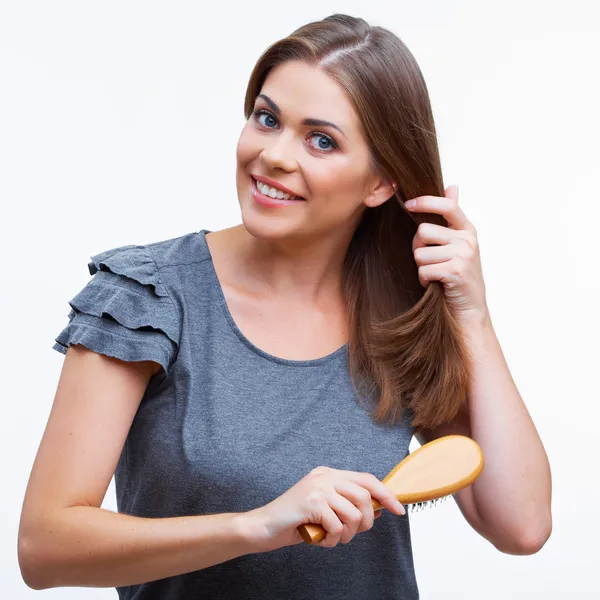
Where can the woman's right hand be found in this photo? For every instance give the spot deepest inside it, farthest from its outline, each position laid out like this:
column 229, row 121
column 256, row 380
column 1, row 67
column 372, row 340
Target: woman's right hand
column 339, row 501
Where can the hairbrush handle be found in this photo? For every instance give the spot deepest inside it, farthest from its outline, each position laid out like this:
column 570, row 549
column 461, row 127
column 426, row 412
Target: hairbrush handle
column 436, row 469
column 313, row 534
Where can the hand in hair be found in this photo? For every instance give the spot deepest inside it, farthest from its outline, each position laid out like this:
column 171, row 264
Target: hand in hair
column 450, row 255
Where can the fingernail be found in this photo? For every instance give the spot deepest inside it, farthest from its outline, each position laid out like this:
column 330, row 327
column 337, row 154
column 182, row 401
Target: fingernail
column 410, row 203
column 400, row 507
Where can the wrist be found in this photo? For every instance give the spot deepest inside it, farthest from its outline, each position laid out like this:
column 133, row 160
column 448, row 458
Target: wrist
column 476, row 319
column 249, row 530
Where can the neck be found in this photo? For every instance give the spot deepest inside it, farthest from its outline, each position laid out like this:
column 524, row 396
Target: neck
column 303, row 271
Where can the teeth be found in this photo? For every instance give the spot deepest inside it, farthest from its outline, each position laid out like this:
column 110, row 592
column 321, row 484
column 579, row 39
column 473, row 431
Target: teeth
column 273, row 192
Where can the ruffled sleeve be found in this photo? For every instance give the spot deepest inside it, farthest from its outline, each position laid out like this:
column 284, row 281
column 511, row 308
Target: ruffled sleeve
column 125, row 311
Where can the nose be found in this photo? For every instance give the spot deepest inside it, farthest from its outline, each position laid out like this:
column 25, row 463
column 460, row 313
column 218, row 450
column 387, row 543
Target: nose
column 278, row 153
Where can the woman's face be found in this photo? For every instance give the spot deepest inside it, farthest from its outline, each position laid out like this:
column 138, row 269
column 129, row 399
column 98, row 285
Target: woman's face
column 326, row 164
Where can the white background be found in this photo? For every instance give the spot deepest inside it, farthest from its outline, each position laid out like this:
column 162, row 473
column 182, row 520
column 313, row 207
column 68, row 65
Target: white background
column 118, row 125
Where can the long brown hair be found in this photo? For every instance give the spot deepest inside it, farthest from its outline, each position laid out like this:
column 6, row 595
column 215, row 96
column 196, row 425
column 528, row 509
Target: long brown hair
column 404, row 340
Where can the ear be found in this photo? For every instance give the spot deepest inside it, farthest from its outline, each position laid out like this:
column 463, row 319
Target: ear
column 381, row 191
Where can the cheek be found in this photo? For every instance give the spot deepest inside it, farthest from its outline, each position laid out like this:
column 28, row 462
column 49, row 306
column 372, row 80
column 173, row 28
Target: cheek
column 246, row 147
column 338, row 182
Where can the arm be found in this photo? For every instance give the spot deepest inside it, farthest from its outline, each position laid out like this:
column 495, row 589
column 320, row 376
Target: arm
column 510, row 503
column 65, row 538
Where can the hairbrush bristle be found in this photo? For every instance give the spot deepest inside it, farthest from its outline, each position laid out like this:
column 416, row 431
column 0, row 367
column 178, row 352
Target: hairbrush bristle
column 429, row 503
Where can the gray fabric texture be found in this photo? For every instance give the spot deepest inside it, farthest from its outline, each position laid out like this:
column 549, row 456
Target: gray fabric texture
column 226, row 427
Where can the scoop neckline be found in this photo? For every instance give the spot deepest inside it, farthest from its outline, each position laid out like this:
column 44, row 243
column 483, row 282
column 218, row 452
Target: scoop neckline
column 238, row 332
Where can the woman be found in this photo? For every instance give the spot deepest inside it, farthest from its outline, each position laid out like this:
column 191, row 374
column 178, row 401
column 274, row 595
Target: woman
column 242, row 382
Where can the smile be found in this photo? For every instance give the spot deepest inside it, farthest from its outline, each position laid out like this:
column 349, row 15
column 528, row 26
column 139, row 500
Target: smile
column 271, row 198
column 275, row 192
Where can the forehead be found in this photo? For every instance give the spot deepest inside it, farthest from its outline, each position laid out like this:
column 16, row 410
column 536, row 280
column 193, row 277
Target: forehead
column 302, row 91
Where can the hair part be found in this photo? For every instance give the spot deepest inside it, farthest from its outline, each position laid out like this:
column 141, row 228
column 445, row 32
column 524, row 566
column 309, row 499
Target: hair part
column 404, row 340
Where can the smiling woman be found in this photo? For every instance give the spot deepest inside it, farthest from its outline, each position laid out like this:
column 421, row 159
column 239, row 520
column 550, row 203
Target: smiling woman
column 354, row 173
column 244, row 382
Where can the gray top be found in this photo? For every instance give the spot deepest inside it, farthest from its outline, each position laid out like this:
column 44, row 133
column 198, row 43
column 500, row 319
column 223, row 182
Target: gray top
column 226, row 427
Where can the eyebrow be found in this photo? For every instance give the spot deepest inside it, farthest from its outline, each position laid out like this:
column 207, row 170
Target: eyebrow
column 309, row 122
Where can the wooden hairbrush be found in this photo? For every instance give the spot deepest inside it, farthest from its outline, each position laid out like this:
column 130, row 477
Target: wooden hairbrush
column 434, row 471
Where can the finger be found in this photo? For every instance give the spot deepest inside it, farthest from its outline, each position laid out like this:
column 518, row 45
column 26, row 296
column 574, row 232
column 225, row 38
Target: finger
column 426, row 255
column 434, row 272
column 362, row 499
column 332, row 525
column 430, row 233
column 351, row 516
column 446, row 205
column 379, row 491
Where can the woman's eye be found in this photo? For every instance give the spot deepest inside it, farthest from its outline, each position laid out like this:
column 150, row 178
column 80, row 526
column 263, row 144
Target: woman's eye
column 327, row 139
column 270, row 122
column 261, row 113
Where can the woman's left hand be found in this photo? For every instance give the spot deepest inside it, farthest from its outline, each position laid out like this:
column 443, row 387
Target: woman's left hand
column 454, row 260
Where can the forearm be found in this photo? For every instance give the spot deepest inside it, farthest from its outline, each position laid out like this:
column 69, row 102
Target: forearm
column 513, row 493
column 93, row 547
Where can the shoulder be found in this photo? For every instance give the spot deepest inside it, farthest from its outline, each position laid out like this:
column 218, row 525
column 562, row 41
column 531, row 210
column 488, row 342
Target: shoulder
column 144, row 262
column 179, row 251
column 130, row 309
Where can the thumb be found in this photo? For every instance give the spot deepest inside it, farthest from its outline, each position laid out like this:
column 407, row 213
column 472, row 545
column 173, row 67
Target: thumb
column 452, row 192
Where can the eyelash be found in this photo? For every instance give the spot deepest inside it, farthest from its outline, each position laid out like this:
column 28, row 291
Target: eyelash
column 257, row 113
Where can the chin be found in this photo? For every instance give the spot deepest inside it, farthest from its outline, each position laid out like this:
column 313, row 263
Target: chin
column 267, row 227
column 270, row 224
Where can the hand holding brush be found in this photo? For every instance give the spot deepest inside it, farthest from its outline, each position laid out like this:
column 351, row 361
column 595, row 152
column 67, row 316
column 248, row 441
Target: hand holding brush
column 329, row 506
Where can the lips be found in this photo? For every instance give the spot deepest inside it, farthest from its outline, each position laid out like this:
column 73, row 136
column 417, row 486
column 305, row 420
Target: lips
column 268, row 201
column 276, row 185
